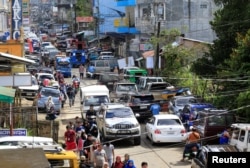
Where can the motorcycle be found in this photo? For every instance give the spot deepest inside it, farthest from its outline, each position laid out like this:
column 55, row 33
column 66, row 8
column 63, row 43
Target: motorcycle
column 192, row 152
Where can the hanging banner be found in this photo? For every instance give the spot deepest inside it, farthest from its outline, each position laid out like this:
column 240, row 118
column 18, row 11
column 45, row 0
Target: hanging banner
column 16, row 17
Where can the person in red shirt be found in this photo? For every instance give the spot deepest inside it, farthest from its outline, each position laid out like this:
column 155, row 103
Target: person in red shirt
column 70, row 138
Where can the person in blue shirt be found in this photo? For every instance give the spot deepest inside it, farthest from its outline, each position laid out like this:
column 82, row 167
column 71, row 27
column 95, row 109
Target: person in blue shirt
column 155, row 109
column 225, row 136
column 91, row 68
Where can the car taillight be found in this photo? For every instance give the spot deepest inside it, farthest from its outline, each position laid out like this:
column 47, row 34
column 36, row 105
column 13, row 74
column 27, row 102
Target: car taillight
column 183, row 131
column 157, row 131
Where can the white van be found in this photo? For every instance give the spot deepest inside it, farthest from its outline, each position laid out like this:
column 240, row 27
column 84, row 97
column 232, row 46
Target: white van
column 143, row 81
column 95, row 95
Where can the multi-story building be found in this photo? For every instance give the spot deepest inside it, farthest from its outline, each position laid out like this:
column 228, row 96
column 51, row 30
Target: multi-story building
column 191, row 17
column 3, row 18
column 105, row 12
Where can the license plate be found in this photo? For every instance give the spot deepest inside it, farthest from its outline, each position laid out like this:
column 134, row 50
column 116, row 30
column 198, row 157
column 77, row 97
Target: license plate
column 170, row 132
column 123, row 132
column 143, row 107
column 29, row 94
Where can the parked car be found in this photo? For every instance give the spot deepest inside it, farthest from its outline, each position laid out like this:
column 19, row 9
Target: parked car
column 30, row 92
column 61, row 45
column 200, row 161
column 45, row 70
column 118, row 121
column 43, row 96
column 41, row 76
column 177, row 103
column 165, row 128
column 144, row 80
column 108, row 79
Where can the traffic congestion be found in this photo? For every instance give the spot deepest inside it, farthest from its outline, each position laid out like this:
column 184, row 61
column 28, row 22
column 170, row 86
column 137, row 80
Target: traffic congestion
column 119, row 106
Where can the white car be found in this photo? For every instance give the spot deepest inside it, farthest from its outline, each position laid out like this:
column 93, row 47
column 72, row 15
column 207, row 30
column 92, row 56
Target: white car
column 165, row 128
column 41, row 76
column 117, row 121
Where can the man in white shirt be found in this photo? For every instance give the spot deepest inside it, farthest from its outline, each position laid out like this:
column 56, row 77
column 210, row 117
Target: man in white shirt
column 110, row 153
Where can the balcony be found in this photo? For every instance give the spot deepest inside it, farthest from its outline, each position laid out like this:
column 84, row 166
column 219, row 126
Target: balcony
column 145, row 25
column 126, row 2
column 150, row 1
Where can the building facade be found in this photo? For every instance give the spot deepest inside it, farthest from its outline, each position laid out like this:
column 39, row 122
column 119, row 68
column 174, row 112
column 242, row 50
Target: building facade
column 3, row 18
column 191, row 17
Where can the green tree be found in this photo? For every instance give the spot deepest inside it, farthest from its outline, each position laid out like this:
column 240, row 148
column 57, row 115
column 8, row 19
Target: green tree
column 83, row 8
column 228, row 21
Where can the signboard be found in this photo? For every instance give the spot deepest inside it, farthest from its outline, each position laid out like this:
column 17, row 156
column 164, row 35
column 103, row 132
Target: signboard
column 16, row 80
column 25, row 8
column 16, row 18
column 16, row 132
column 26, row 21
column 146, row 47
column 122, row 62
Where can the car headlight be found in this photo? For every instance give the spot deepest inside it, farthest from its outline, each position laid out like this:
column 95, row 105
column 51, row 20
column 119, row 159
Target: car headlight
column 137, row 125
column 108, row 125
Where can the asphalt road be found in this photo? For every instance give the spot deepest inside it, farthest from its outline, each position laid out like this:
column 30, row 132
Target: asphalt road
column 157, row 156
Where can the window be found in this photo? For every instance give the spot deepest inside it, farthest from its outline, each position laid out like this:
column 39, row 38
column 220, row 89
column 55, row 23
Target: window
column 50, row 92
column 119, row 113
column 217, row 120
column 95, row 100
column 99, row 64
column 168, row 122
column 242, row 135
column 201, row 119
column 203, row 6
column 151, row 121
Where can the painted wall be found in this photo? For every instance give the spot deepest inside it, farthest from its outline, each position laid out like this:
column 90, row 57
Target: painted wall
column 108, row 15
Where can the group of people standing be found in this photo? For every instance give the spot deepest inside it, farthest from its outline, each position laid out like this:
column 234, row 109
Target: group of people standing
column 81, row 138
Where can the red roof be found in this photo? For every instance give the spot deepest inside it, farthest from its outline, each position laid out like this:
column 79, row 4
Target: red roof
column 85, row 19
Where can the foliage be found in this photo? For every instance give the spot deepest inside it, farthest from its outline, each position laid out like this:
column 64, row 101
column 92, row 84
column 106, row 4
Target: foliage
column 229, row 57
column 83, row 8
column 243, row 100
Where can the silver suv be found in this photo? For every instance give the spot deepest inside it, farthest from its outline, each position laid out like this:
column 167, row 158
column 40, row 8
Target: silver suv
column 117, row 121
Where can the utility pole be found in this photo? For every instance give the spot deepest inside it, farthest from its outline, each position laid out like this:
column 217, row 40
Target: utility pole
column 98, row 23
column 157, row 48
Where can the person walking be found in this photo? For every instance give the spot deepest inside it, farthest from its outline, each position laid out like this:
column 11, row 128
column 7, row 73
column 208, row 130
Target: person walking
column 155, row 109
column 81, row 71
column 99, row 157
column 70, row 138
column 118, row 163
column 110, row 153
column 130, row 164
column 126, row 159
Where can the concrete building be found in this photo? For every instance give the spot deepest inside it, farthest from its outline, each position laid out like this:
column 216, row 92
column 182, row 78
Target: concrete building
column 191, row 17
column 3, row 18
column 107, row 11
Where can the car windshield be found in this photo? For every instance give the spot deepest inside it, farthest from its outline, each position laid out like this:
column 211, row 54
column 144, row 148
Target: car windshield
column 168, row 122
column 119, row 113
column 126, row 87
column 42, row 77
column 45, row 44
column 142, row 98
column 50, row 92
column 160, row 86
column 96, row 100
column 182, row 102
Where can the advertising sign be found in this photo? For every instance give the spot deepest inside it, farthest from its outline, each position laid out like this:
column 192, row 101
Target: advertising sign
column 16, row 18
column 16, row 132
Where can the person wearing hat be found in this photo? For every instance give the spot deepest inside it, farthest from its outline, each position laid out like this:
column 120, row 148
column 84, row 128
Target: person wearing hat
column 192, row 141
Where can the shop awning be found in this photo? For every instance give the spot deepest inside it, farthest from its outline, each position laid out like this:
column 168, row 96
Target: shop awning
column 15, row 59
column 150, row 53
column 7, row 94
